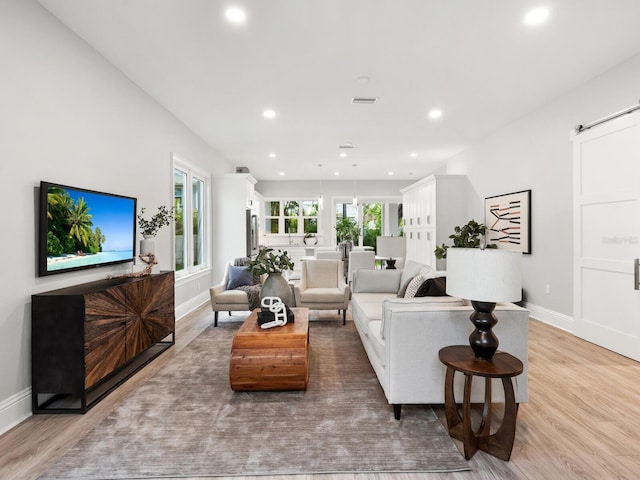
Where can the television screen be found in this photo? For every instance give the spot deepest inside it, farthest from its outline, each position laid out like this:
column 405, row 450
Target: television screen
column 84, row 229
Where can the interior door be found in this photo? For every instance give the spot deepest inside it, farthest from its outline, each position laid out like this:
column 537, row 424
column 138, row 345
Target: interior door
column 607, row 234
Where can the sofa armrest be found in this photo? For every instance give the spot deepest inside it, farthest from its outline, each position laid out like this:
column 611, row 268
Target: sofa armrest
column 414, row 335
column 371, row 280
column 216, row 290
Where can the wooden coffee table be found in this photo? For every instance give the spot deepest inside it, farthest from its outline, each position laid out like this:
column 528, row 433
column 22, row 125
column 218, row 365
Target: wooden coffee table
column 271, row 359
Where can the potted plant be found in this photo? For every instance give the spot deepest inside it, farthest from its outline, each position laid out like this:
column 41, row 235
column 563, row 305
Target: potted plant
column 267, row 261
column 149, row 228
column 470, row 235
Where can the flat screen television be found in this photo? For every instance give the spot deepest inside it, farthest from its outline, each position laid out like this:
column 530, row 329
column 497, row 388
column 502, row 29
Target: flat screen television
column 82, row 229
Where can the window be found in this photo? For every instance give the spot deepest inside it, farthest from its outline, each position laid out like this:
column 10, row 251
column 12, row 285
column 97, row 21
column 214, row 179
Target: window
column 191, row 189
column 295, row 217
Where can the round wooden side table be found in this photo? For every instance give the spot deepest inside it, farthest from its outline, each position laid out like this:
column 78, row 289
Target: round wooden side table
column 460, row 358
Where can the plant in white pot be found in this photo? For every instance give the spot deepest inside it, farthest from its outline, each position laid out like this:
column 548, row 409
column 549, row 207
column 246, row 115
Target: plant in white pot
column 267, row 261
column 471, row 235
column 149, row 228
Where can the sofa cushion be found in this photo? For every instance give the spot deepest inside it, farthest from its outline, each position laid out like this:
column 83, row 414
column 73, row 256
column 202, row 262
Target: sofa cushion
column 376, row 341
column 239, row 276
column 410, row 270
column 368, row 306
column 322, row 295
column 376, row 281
column 231, row 297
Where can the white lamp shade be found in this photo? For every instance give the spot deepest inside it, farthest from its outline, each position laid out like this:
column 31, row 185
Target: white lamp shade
column 391, row 247
column 488, row 275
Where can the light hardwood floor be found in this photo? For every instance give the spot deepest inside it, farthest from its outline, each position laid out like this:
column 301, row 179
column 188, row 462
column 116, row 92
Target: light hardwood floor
column 582, row 420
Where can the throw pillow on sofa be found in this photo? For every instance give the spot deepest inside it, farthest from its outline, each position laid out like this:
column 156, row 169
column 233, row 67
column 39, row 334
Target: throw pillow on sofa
column 238, row 277
column 414, row 285
column 410, row 270
column 433, row 287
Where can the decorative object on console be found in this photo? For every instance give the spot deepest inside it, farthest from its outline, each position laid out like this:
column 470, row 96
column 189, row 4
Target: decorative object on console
column 149, row 259
column 485, row 277
column 150, row 228
column 391, row 248
column 471, row 235
column 273, row 264
column 508, row 220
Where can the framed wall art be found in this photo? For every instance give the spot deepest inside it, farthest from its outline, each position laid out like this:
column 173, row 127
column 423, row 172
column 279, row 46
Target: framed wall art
column 508, row 221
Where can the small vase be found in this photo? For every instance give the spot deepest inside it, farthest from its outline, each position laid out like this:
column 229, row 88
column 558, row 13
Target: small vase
column 147, row 246
column 276, row 286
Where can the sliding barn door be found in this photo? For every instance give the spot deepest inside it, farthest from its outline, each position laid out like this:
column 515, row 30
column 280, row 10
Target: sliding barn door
column 607, row 234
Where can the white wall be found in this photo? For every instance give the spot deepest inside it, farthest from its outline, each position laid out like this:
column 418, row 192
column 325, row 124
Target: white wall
column 535, row 152
column 68, row 116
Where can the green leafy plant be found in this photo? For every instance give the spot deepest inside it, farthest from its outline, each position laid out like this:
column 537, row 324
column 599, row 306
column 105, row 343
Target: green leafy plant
column 161, row 219
column 347, row 229
column 266, row 261
column 467, row 236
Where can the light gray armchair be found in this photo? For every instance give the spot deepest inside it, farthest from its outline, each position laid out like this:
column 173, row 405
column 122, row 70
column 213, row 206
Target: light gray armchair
column 322, row 287
column 234, row 300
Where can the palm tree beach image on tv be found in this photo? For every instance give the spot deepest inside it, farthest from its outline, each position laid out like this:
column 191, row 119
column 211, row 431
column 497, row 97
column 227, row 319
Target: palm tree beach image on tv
column 82, row 229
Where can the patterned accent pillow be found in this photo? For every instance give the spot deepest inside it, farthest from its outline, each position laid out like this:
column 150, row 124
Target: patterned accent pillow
column 414, row 285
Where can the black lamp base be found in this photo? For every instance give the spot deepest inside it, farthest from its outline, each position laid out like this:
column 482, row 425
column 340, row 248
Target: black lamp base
column 483, row 341
column 391, row 263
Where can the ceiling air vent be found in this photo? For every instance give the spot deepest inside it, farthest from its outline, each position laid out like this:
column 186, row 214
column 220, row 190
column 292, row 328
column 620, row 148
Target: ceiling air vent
column 364, row 100
column 346, row 145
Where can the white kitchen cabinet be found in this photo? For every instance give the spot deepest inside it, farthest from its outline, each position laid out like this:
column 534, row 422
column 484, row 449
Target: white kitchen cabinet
column 432, row 208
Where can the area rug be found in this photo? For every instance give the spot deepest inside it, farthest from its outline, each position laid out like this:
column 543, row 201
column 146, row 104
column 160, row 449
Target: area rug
column 185, row 421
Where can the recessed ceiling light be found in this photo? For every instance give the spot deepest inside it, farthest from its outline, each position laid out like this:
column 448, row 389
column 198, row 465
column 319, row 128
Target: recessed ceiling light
column 389, row 173
column 235, row 15
column 282, row 174
column 336, row 173
column 536, row 16
column 343, row 154
column 413, row 154
column 435, row 114
column 269, row 114
column 272, row 155
column 364, row 79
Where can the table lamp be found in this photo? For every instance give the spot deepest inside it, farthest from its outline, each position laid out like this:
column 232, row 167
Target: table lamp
column 484, row 276
column 391, row 248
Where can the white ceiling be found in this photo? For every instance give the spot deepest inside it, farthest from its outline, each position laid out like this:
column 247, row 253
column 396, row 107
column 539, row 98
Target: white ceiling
column 473, row 59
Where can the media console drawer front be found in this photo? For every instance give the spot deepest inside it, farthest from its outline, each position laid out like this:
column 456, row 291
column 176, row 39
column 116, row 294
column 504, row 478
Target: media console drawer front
column 88, row 339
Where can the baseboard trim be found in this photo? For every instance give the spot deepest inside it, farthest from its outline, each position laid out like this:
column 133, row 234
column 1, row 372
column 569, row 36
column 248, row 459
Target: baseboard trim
column 15, row 409
column 192, row 304
column 551, row 317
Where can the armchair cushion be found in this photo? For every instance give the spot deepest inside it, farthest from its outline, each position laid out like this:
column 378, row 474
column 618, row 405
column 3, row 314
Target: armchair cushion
column 239, row 276
column 231, row 297
column 319, row 276
column 322, row 295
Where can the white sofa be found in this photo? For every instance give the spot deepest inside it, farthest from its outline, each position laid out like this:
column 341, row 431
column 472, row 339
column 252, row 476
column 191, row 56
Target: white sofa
column 402, row 338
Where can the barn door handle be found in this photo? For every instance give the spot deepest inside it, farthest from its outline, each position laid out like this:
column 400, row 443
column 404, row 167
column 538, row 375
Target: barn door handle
column 636, row 274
